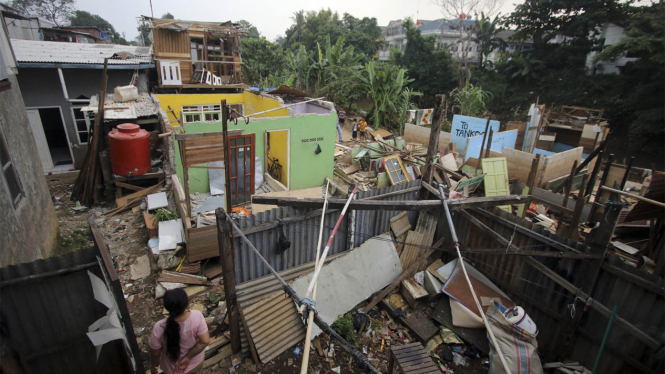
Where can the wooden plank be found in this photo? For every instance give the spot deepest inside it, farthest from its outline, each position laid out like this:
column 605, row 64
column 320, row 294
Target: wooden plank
column 400, row 224
column 171, row 276
column 206, row 135
column 202, row 243
column 421, row 205
column 125, row 200
column 128, row 186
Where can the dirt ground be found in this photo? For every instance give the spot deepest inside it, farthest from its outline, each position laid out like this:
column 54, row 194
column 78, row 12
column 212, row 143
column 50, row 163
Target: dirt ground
column 126, row 236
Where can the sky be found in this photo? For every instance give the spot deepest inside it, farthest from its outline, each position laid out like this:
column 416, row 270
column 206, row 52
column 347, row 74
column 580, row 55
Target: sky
column 270, row 17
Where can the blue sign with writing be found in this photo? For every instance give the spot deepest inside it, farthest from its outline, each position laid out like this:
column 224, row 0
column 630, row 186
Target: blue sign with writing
column 500, row 140
column 467, row 127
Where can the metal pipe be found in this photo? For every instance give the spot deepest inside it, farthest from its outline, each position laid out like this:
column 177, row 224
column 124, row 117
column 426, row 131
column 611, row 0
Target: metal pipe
column 637, row 197
column 317, row 271
column 283, row 107
column 62, row 83
column 602, row 344
column 475, row 297
column 310, row 316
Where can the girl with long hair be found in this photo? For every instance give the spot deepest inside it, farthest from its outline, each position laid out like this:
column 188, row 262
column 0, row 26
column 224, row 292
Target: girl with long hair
column 177, row 342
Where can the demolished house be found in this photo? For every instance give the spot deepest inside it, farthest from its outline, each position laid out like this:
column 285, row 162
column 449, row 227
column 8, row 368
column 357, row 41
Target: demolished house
column 488, row 246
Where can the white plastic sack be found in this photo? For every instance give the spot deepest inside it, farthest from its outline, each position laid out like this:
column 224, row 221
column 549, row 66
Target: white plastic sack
column 519, row 347
column 125, row 93
column 258, row 172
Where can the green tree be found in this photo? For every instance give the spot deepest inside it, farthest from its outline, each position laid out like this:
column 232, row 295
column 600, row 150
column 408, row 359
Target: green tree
column 383, row 85
column 250, row 30
column 298, row 64
column 83, row 18
column 470, row 101
column 144, row 34
column 168, row 15
column 644, row 90
column 261, row 59
column 432, row 69
column 334, row 71
column 56, row 11
column 486, row 31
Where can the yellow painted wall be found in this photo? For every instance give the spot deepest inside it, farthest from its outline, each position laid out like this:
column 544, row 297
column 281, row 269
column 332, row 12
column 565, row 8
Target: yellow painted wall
column 279, row 141
column 252, row 103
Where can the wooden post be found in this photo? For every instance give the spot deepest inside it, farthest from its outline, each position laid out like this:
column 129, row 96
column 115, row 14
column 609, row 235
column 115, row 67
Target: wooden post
column 594, row 174
column 482, row 145
column 433, row 145
column 569, row 185
column 579, row 205
column 625, row 176
column 531, row 181
column 227, row 156
column 489, row 144
column 606, row 173
column 224, row 231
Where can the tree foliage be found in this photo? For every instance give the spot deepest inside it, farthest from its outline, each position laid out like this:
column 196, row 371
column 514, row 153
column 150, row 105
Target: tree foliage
column 56, row 11
column 83, row 18
column 432, row 69
column 168, row 15
column 250, row 30
column 264, row 61
column 310, row 28
column 384, row 86
column 470, row 101
column 486, row 37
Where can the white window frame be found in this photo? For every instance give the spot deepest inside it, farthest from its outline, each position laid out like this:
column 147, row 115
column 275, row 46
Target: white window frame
column 86, row 117
column 208, row 109
column 5, row 168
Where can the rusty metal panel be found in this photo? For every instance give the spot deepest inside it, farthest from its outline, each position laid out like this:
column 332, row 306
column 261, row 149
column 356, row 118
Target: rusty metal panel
column 549, row 304
column 47, row 318
column 304, row 233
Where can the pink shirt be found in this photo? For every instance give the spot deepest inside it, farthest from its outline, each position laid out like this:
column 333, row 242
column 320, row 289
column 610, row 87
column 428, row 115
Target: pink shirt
column 190, row 329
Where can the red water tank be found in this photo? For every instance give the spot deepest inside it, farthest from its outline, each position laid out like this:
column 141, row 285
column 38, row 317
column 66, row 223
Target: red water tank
column 130, row 150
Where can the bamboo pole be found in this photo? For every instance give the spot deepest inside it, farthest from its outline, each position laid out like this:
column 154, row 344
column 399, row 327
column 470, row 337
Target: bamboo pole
column 310, row 289
column 310, row 316
column 475, row 297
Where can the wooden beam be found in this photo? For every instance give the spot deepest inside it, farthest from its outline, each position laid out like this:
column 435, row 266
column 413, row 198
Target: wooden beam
column 433, row 145
column 636, row 197
column 316, row 213
column 523, row 230
column 633, row 278
column 224, row 232
column 227, row 162
column 420, row 205
column 129, row 186
column 596, row 152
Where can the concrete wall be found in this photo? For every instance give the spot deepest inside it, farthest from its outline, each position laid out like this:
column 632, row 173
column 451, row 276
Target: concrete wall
column 41, row 88
column 307, row 169
column 28, row 231
column 252, row 103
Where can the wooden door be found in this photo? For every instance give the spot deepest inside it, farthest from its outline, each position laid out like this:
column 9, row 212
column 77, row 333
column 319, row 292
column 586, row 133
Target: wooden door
column 240, row 153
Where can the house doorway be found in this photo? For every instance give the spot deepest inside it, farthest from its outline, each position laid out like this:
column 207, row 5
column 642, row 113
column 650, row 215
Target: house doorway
column 48, row 128
column 241, row 168
column 277, row 160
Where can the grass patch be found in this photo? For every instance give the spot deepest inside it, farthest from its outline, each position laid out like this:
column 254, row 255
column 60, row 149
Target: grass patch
column 65, row 213
column 80, row 238
column 344, row 327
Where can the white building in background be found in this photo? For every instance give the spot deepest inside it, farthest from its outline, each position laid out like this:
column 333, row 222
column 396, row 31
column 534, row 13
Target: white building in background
column 609, row 35
column 448, row 35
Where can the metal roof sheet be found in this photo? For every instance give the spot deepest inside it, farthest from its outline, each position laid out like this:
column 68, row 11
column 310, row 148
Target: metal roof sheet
column 77, row 53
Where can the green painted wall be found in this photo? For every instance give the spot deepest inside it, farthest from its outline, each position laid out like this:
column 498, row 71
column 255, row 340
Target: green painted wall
column 306, row 167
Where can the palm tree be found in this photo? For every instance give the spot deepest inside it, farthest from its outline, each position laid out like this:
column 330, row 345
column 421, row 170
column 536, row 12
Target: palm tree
column 486, row 31
column 384, row 86
column 299, row 19
column 298, row 65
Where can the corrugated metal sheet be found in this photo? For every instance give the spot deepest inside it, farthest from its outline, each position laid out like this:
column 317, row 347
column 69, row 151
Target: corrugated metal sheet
column 370, row 223
column 77, row 53
column 547, row 303
column 304, row 234
column 274, row 325
column 48, row 318
column 643, row 210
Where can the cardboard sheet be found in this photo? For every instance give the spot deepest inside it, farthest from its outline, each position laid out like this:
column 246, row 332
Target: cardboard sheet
column 350, row 279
